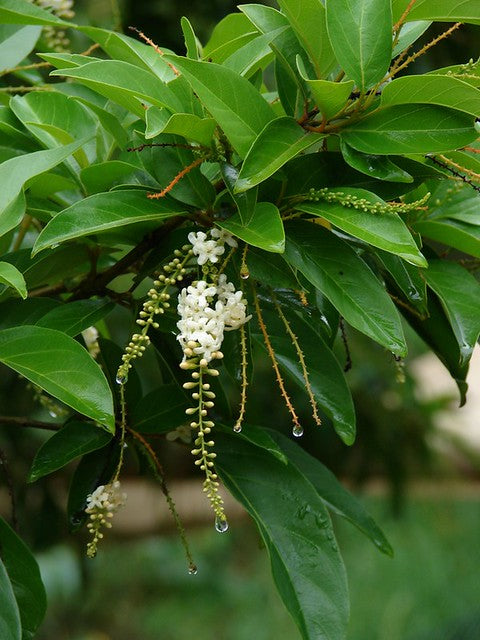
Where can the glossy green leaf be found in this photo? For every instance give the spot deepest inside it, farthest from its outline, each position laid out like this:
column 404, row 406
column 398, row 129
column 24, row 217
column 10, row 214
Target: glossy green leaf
column 10, row 625
column 191, row 43
column 335, row 497
column 74, row 317
column 259, row 437
column 386, row 231
column 440, row 10
column 235, row 104
column 72, row 441
column 53, row 117
column 127, row 49
column 459, row 293
column 327, row 379
column 332, row 266
column 264, row 229
column 379, row 167
column 228, row 35
column 309, row 23
column 433, row 89
column 16, row 43
column 124, row 83
column 469, row 72
column 253, row 56
column 14, row 173
column 187, row 125
column 12, row 277
column 108, row 121
column 410, row 129
column 453, row 233
column 103, row 176
column 245, row 201
column 161, row 410
column 60, row 366
column 361, row 35
column 102, row 212
column 264, row 18
column 409, row 33
column 407, row 278
column 271, row 270
column 296, row 529
column 15, row 313
column 437, row 333
column 281, row 140
column 25, row 578
column 24, row 12
column 330, row 97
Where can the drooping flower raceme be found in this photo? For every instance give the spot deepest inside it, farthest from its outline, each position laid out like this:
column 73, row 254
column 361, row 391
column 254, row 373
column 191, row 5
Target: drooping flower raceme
column 101, row 505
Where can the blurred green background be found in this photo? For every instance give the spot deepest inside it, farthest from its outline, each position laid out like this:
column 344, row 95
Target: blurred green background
column 140, row 589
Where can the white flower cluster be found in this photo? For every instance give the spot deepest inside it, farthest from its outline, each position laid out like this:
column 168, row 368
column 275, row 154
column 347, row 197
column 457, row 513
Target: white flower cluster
column 209, row 250
column 206, row 309
column 61, row 8
column 101, row 505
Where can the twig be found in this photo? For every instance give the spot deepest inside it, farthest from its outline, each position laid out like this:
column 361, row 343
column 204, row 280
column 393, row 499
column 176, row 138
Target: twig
column 401, row 20
column 454, row 172
column 176, row 179
column 156, row 47
column 29, row 423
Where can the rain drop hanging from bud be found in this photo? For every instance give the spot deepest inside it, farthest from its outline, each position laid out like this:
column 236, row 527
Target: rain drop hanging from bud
column 221, row 524
column 192, row 570
column 237, row 428
column 297, row 431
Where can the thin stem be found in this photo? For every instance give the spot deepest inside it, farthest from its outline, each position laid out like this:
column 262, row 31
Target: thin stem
column 271, row 353
column 455, row 173
column 123, row 429
column 156, row 47
column 160, row 475
column 244, row 365
column 24, row 226
column 176, row 179
column 25, row 67
column 399, row 23
column 29, row 423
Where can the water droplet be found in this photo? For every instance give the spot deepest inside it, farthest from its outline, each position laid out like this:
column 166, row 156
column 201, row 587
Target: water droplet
column 53, row 413
column 192, row 570
column 322, row 523
column 221, row 524
column 297, row 431
column 237, row 428
column 244, row 275
column 121, row 379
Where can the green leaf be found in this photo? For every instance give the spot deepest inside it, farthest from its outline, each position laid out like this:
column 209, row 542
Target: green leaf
column 386, row 231
column 437, row 332
column 233, row 31
column 440, row 10
column 245, row 201
column 191, row 43
column 60, row 366
column 127, row 49
column 409, row 33
column 14, row 173
column 53, row 117
column 103, row 176
column 335, row 497
column 102, row 212
column 16, row 43
column 379, row 167
column 187, row 125
column 258, row 437
column 332, row 266
column 281, row 140
column 453, row 233
column 264, row 229
column 308, row 20
column 72, row 441
column 410, row 129
column 26, row 581
column 459, row 294
column 12, row 277
column 271, row 270
column 407, row 278
column 361, row 35
column 74, row 317
column 10, row 625
column 233, row 101
column 253, row 56
column 433, row 89
column 161, row 410
column 296, row 529
column 19, row 312
column 330, row 97
column 327, row 379
column 124, row 83
column 24, row 12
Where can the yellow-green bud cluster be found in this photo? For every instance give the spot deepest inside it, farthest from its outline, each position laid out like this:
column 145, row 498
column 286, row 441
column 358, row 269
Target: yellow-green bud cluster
column 156, row 304
column 351, row 200
column 101, row 506
column 203, row 398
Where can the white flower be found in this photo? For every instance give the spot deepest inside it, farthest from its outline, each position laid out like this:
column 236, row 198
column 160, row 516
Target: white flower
column 205, row 250
column 221, row 235
column 106, row 498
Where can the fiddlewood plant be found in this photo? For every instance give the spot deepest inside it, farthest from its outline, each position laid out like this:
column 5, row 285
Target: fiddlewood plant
column 282, row 182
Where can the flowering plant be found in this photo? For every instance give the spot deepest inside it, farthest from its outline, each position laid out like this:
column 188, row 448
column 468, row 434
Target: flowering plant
column 257, row 196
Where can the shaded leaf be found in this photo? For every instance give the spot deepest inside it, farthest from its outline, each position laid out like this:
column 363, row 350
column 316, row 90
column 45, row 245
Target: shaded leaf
column 453, row 233
column 10, row 625
column 379, row 167
column 72, row 441
column 24, row 12
column 74, row 317
column 60, row 366
column 12, row 277
column 161, row 410
column 332, row 266
column 16, row 43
